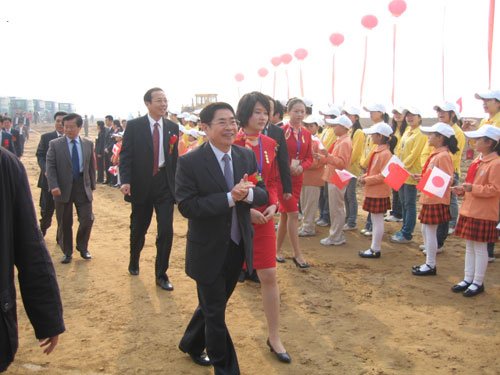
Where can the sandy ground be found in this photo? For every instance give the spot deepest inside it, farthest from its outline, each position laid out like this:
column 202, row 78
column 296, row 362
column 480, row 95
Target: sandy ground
column 345, row 315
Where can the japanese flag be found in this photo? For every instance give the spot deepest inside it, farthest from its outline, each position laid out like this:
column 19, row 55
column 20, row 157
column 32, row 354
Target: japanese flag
column 393, row 160
column 341, row 178
column 435, row 183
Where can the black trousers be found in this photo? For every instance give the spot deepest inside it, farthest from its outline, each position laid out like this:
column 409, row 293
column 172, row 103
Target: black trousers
column 161, row 200
column 47, row 208
column 100, row 168
column 64, row 214
column 207, row 328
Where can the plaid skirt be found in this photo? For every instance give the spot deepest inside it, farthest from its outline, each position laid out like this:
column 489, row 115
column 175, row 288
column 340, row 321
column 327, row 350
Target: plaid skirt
column 377, row 205
column 476, row 229
column 434, row 214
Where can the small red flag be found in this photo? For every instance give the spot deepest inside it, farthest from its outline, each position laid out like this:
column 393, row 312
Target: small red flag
column 341, row 178
column 396, row 177
column 459, row 103
column 423, row 181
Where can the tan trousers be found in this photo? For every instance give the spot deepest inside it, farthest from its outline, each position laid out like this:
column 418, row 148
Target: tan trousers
column 337, row 212
column 309, row 199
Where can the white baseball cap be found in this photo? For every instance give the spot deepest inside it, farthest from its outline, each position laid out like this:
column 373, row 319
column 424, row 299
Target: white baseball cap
column 400, row 110
column 308, row 102
column 375, row 108
column 117, row 135
column 493, row 94
column 413, row 111
column 182, row 128
column 330, row 111
column 184, row 115
column 489, row 131
column 311, row 119
column 379, row 128
column 439, row 127
column 193, row 133
column 448, row 106
column 192, row 118
column 352, row 110
column 341, row 120
column 175, row 113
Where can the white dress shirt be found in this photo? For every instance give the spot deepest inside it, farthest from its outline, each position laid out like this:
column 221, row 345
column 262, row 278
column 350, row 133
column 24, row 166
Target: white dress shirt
column 161, row 154
column 219, row 155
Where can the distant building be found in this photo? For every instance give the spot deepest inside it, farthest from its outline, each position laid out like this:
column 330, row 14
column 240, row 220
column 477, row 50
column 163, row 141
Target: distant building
column 200, row 101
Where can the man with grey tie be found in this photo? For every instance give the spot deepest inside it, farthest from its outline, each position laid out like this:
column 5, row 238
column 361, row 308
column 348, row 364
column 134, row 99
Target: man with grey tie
column 213, row 191
column 71, row 178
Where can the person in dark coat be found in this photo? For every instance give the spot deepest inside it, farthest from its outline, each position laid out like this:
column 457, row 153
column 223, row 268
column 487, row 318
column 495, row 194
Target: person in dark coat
column 100, row 144
column 22, row 245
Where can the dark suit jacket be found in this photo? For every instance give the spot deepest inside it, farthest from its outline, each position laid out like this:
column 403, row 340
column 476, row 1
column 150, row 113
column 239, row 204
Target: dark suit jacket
column 136, row 157
column 41, row 157
column 278, row 135
column 22, row 245
column 18, row 141
column 60, row 168
column 201, row 193
column 7, row 142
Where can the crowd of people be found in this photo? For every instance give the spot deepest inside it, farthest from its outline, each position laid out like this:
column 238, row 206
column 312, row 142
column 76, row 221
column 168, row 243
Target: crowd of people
column 231, row 172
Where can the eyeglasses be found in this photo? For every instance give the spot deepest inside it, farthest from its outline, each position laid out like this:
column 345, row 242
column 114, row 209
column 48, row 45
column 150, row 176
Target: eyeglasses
column 226, row 123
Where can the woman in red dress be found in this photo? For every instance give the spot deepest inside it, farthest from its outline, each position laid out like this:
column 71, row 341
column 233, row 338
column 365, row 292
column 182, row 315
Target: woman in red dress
column 299, row 144
column 253, row 114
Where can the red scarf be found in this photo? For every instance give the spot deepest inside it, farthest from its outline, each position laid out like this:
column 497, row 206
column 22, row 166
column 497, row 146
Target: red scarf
column 431, row 156
column 471, row 172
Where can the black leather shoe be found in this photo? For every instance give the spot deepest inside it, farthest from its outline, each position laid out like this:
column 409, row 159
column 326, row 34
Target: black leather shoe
column 471, row 293
column 280, row 259
column 369, row 254
column 253, row 277
column 430, row 272
column 164, row 283
column 66, row 259
column 85, row 255
column 282, row 357
column 133, row 271
column 200, row 359
column 457, row 288
column 242, row 276
column 303, row 266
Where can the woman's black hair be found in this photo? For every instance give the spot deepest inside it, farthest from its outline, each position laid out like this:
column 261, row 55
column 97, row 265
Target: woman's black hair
column 356, row 126
column 247, row 104
column 402, row 129
column 385, row 117
column 392, row 141
column 451, row 143
column 100, row 124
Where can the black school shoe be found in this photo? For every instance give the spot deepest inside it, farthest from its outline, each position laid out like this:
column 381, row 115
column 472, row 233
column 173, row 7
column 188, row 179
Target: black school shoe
column 457, row 288
column 369, row 254
column 471, row 293
column 431, row 271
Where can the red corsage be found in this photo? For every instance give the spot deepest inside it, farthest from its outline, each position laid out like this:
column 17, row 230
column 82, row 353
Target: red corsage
column 172, row 141
column 255, row 178
column 6, row 143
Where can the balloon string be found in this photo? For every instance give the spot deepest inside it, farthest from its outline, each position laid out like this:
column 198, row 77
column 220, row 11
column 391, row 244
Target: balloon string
column 364, row 71
column 333, row 78
column 393, row 64
column 443, row 52
column 301, row 83
column 490, row 39
column 287, row 83
column 274, row 84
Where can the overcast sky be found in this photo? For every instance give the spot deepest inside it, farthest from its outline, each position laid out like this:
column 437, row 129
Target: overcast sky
column 103, row 55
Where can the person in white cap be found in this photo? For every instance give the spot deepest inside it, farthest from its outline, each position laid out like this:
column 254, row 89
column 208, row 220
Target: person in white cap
column 435, row 210
column 480, row 208
column 377, row 114
column 337, row 157
column 358, row 142
column 311, row 187
column 377, row 193
column 399, row 126
column 448, row 113
column 491, row 105
column 327, row 138
column 412, row 144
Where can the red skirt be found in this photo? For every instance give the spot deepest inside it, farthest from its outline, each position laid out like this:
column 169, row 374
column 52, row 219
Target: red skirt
column 377, row 205
column 434, row 214
column 264, row 246
column 476, row 229
column 292, row 204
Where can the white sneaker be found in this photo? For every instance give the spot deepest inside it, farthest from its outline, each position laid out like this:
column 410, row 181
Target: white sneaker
column 391, row 218
column 367, row 233
column 422, row 247
column 348, row 227
column 491, row 259
column 322, row 223
column 451, row 230
column 362, row 231
column 329, row 242
column 303, row 233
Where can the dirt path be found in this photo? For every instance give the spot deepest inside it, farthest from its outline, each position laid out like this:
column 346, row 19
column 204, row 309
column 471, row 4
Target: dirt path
column 345, row 315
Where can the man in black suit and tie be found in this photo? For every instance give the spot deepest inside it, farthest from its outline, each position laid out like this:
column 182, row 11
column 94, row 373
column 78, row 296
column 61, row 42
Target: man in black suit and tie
column 46, row 199
column 6, row 138
column 71, row 177
column 16, row 138
column 213, row 192
column 148, row 159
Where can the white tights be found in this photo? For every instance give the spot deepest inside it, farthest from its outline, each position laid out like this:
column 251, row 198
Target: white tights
column 476, row 261
column 377, row 231
column 429, row 233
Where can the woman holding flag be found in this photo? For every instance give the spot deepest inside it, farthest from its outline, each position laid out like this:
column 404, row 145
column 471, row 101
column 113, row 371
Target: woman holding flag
column 299, row 145
column 377, row 193
column 435, row 184
column 253, row 115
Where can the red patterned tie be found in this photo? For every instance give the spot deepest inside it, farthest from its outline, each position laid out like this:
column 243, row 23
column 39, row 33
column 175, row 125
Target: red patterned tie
column 156, row 148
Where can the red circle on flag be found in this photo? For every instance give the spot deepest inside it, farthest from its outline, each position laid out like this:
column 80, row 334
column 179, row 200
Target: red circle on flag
column 438, row 181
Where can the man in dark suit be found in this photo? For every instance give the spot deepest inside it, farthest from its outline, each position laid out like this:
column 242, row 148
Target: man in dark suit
column 148, row 160
column 6, row 138
column 46, row 199
column 22, row 245
column 71, row 177
column 108, row 149
column 213, row 192
column 16, row 138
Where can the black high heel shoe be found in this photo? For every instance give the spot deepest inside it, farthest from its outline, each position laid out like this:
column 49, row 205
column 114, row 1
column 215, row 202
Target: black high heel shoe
column 282, row 357
column 301, row 265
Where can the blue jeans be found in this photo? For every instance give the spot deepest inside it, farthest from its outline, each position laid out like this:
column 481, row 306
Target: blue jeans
column 368, row 225
column 324, row 209
column 351, row 203
column 397, row 210
column 408, row 198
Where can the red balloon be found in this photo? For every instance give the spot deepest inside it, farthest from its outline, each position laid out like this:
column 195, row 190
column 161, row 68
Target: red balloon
column 397, row 7
column 262, row 72
column 300, row 54
column 239, row 77
column 369, row 21
column 276, row 61
column 286, row 58
column 336, row 39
